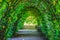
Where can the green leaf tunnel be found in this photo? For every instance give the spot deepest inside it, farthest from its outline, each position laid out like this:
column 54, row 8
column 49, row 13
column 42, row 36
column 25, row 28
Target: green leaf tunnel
column 13, row 14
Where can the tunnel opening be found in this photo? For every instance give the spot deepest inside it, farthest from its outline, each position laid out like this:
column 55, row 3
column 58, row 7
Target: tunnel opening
column 29, row 26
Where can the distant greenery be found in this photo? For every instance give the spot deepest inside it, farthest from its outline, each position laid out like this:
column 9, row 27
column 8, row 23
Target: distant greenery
column 31, row 18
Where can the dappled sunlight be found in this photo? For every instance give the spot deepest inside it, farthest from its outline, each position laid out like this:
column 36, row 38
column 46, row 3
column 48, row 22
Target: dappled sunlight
column 30, row 23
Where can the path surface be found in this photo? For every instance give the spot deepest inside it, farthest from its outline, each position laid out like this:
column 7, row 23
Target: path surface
column 28, row 35
column 27, row 38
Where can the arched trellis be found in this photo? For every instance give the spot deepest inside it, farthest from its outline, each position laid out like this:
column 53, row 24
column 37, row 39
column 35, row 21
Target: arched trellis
column 46, row 18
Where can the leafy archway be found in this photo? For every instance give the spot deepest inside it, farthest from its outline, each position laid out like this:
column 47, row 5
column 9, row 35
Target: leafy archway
column 48, row 16
column 28, row 12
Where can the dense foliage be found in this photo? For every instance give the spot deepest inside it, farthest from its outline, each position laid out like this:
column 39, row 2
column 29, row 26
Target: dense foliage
column 13, row 14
